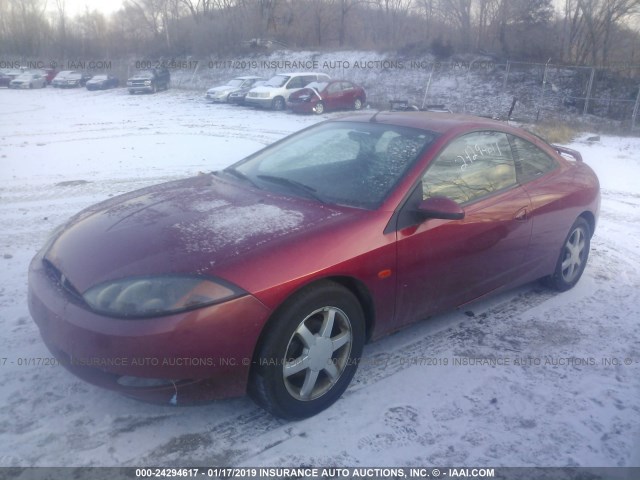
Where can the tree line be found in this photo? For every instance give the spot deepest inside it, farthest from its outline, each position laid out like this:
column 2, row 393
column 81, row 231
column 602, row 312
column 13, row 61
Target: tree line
column 594, row 32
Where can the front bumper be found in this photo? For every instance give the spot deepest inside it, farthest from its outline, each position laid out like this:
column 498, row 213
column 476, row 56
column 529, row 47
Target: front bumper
column 301, row 107
column 258, row 102
column 146, row 89
column 215, row 98
column 237, row 99
column 195, row 356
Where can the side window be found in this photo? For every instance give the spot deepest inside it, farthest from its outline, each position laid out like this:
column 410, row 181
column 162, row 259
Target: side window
column 531, row 161
column 471, row 167
column 334, row 88
column 296, row 82
column 307, row 79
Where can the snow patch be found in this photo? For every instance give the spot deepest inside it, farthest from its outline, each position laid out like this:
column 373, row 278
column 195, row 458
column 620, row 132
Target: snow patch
column 233, row 225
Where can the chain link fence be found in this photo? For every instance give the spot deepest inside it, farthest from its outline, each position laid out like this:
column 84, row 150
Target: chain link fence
column 473, row 84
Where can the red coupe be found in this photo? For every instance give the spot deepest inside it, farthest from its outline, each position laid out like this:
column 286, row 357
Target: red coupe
column 269, row 276
column 319, row 97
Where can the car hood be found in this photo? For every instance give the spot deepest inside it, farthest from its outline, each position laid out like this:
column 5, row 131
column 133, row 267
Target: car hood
column 308, row 92
column 222, row 89
column 265, row 89
column 202, row 225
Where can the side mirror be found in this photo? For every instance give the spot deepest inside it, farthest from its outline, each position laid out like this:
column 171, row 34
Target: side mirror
column 440, row 207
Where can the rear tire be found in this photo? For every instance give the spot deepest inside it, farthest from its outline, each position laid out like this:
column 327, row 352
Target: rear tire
column 309, row 352
column 357, row 104
column 573, row 257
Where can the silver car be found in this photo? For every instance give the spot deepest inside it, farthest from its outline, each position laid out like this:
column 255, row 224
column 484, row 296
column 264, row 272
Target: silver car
column 222, row 93
column 28, row 80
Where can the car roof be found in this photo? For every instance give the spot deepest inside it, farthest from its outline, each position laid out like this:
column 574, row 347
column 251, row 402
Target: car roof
column 246, row 77
column 433, row 121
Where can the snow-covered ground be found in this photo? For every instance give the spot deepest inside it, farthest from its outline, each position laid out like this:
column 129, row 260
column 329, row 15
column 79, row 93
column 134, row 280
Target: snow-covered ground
column 567, row 392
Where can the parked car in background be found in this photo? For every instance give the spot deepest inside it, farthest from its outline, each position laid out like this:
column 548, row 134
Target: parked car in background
column 238, row 97
column 318, row 97
column 275, row 92
column 49, row 74
column 71, row 79
column 102, row 82
column 7, row 75
column 270, row 275
column 149, row 81
column 28, row 80
column 221, row 93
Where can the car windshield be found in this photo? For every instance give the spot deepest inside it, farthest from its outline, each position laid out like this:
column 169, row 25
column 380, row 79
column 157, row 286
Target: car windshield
column 277, row 81
column 347, row 163
column 236, row 82
column 24, row 76
column 99, row 77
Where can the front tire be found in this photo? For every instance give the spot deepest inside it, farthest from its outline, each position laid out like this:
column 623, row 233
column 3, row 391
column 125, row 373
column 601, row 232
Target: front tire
column 309, row 352
column 573, row 257
column 319, row 108
column 278, row 103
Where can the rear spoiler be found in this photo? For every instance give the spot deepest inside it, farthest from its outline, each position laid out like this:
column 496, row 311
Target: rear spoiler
column 568, row 151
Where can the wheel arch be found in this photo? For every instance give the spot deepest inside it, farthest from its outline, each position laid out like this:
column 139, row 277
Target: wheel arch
column 590, row 218
column 353, row 285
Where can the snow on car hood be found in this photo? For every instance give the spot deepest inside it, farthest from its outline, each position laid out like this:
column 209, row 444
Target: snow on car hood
column 201, row 225
column 265, row 89
column 222, row 88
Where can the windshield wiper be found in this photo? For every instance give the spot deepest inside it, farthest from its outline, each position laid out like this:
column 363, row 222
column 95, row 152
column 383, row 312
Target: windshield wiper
column 306, row 189
column 240, row 175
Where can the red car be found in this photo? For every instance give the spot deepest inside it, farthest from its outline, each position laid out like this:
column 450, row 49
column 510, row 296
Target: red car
column 319, row 97
column 269, row 276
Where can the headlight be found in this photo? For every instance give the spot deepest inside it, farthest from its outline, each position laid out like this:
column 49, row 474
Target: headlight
column 153, row 296
column 147, row 82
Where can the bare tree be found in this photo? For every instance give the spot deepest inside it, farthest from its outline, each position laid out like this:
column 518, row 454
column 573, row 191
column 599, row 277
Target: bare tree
column 601, row 18
column 458, row 14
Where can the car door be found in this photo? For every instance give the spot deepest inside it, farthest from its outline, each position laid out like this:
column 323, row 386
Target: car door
column 294, row 84
column 347, row 95
column 444, row 263
column 541, row 177
column 332, row 98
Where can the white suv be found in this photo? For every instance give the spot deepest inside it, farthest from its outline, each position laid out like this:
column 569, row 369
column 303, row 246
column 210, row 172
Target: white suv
column 275, row 92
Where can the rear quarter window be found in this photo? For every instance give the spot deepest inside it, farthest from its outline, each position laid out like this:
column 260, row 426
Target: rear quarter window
column 531, row 162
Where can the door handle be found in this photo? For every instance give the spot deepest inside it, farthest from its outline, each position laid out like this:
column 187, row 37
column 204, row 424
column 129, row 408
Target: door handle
column 522, row 215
